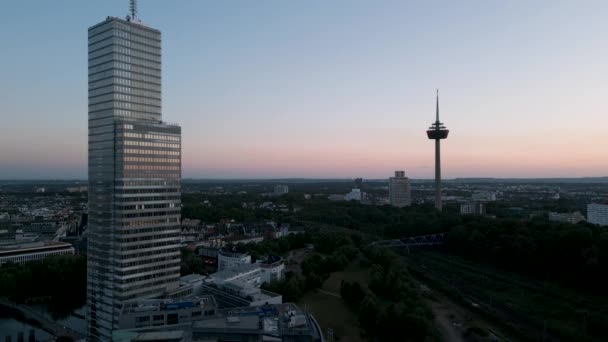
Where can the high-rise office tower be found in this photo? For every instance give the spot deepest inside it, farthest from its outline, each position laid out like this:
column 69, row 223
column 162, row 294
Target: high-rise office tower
column 437, row 132
column 399, row 192
column 134, row 174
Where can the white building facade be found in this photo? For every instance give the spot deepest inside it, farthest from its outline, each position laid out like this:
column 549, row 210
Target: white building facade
column 228, row 260
column 280, row 190
column 597, row 214
column 272, row 268
column 354, row 195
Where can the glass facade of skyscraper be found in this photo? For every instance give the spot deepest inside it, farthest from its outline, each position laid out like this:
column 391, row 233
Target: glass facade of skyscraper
column 134, row 175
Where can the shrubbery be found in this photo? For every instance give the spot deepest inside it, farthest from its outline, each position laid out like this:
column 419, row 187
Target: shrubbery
column 390, row 283
column 316, row 268
column 61, row 280
column 576, row 255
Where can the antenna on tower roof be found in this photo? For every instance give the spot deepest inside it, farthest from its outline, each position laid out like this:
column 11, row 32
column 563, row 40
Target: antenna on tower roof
column 133, row 8
column 437, row 109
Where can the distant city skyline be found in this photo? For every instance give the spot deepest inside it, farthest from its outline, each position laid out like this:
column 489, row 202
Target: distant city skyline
column 326, row 90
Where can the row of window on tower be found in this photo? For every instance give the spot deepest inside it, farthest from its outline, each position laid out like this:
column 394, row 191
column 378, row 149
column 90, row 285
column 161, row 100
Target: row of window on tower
column 133, row 99
column 147, row 135
column 149, row 222
column 124, row 74
column 138, row 31
column 124, row 105
column 154, row 87
column 149, row 174
column 150, row 144
column 111, row 52
column 95, row 43
column 125, row 67
column 112, row 56
column 151, row 152
column 151, row 160
column 123, row 200
column 148, row 269
column 139, row 36
column 128, row 114
column 153, row 167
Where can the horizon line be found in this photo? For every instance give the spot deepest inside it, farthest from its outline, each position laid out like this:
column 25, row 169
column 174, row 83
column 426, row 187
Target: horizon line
column 308, row 178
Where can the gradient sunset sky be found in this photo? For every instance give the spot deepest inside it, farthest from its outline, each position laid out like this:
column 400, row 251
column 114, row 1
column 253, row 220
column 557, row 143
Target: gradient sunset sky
column 326, row 89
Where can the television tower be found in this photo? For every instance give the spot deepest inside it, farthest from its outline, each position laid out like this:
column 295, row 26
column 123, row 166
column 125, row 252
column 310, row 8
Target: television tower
column 437, row 131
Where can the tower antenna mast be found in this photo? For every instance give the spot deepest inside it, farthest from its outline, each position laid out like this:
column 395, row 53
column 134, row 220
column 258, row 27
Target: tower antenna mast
column 437, row 107
column 133, row 8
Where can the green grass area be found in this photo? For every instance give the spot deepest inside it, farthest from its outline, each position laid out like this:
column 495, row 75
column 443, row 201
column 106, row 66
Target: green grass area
column 526, row 305
column 331, row 312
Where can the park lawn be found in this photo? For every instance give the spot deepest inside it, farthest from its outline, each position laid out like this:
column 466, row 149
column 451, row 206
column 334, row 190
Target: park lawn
column 331, row 312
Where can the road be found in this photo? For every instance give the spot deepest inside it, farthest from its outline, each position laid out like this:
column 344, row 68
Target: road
column 329, row 293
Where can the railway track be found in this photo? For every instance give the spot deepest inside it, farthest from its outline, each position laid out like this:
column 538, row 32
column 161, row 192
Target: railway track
column 472, row 294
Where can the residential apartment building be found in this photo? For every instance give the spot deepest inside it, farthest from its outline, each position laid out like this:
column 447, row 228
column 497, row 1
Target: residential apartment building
column 476, row 208
column 399, row 191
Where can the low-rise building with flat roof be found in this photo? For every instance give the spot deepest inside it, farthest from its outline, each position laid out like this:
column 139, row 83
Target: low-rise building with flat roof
column 239, row 294
column 574, row 217
column 44, row 227
column 162, row 312
column 280, row 322
column 23, row 253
